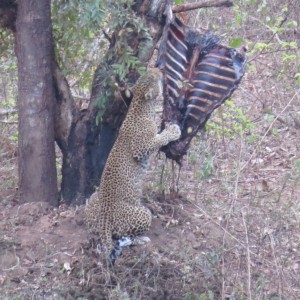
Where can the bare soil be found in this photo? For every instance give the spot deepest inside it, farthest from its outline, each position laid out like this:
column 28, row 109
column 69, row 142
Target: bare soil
column 47, row 254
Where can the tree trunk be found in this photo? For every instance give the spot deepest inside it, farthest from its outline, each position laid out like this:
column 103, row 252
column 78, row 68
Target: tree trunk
column 34, row 49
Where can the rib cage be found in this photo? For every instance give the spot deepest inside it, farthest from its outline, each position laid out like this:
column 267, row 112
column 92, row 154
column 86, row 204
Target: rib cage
column 199, row 75
column 176, row 62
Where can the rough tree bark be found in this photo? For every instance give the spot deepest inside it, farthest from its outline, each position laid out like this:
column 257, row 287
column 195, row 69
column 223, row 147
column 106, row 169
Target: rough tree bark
column 85, row 146
column 37, row 170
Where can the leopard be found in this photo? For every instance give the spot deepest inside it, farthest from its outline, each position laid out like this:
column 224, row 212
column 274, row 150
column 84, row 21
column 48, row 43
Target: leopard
column 115, row 211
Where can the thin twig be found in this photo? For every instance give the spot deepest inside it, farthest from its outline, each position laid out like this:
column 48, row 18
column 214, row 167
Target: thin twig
column 106, row 36
column 197, row 5
column 274, row 35
column 224, row 229
column 178, row 178
column 15, row 266
column 278, row 268
column 248, row 258
column 9, row 122
column 223, row 265
column 268, row 130
column 162, row 175
column 237, row 175
column 270, row 28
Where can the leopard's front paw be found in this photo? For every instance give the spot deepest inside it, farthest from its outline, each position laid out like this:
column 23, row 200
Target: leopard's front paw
column 174, row 131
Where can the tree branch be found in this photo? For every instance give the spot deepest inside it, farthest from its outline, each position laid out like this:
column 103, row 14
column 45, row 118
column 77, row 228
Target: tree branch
column 66, row 110
column 197, row 5
column 11, row 110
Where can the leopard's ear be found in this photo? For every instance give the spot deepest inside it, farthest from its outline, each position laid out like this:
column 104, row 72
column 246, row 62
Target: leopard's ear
column 149, row 94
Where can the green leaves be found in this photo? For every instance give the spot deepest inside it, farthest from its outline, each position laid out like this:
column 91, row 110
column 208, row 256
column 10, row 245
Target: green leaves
column 230, row 121
column 236, row 42
column 80, row 44
column 77, row 24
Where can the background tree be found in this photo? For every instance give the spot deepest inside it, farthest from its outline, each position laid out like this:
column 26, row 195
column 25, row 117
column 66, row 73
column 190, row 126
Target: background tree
column 34, row 50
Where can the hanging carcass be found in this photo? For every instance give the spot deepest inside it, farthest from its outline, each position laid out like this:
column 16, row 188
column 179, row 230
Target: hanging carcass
column 199, row 75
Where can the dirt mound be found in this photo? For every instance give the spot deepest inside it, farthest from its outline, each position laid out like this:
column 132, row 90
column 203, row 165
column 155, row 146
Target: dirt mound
column 47, row 254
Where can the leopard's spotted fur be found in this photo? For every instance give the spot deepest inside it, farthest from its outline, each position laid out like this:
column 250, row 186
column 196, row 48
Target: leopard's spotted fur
column 115, row 209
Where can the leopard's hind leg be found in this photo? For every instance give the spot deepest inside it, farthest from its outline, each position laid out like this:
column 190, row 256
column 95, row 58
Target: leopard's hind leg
column 129, row 222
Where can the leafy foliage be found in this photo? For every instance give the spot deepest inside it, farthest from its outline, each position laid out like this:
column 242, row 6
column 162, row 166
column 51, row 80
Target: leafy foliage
column 230, row 121
column 236, row 42
column 8, row 66
column 6, row 43
column 79, row 23
column 281, row 27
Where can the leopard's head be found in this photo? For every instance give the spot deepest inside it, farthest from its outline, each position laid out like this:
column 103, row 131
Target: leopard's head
column 149, row 86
